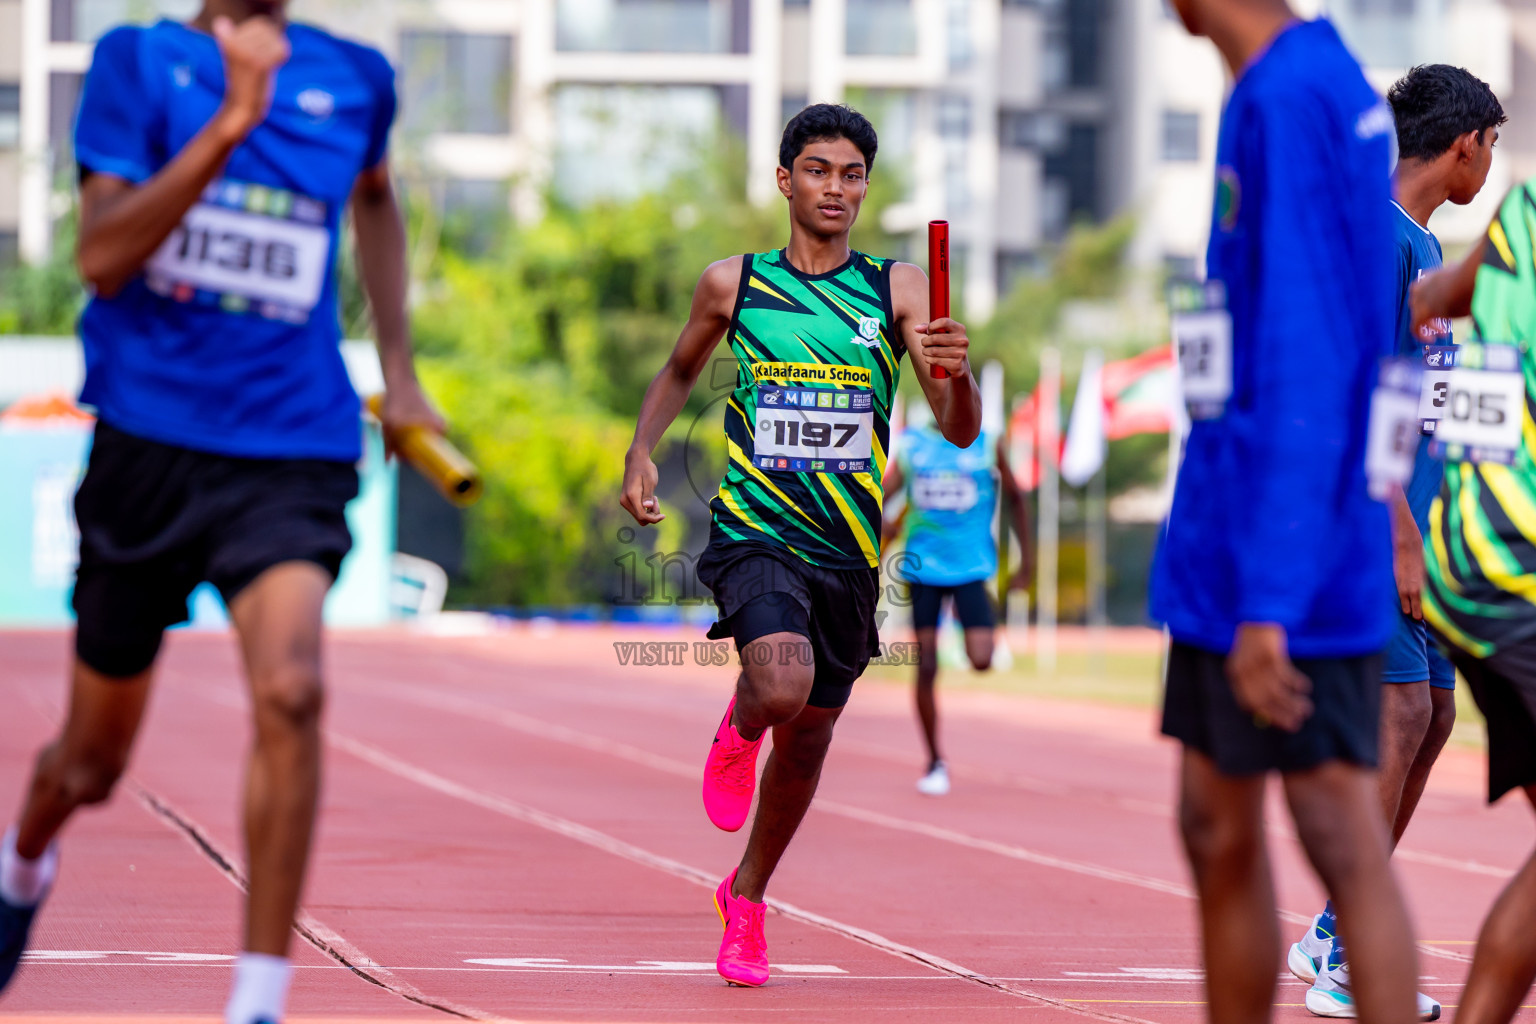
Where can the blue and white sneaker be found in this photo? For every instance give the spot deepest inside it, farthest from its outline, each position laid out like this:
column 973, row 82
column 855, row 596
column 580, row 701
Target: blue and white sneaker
column 1306, row 957
column 15, row 923
column 1330, row 994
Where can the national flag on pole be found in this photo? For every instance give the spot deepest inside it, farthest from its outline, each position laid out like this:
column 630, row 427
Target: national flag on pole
column 1033, row 428
column 1022, row 430
column 1086, row 444
column 1139, row 394
column 1133, row 396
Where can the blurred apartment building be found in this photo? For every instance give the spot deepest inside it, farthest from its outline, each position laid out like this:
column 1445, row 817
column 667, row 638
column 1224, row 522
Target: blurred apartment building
column 1012, row 118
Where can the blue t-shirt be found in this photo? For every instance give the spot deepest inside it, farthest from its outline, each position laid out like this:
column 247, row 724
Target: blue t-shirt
column 228, row 341
column 1271, row 519
column 951, row 496
column 1418, row 253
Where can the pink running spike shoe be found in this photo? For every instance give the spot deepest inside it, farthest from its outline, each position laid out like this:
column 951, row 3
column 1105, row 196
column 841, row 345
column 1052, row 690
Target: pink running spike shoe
column 743, row 958
column 730, row 775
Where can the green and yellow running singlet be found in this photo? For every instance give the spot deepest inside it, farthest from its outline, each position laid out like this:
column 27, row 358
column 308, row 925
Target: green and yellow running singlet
column 1480, row 549
column 808, row 423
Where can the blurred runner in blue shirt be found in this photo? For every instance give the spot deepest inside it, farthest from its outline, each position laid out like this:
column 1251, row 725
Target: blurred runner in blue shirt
column 951, row 554
column 216, row 158
column 1274, row 549
column 1447, row 123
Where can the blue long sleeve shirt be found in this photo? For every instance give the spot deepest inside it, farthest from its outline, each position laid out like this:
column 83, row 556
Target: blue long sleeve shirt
column 1271, row 519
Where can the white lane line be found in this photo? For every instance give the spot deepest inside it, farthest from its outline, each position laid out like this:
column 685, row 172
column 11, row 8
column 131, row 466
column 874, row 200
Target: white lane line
column 481, row 711
column 323, row 939
column 628, row 851
column 671, row 766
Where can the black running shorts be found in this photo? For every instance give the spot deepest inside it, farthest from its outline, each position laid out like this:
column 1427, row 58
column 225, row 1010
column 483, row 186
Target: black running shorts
column 1504, row 687
column 761, row 590
column 1200, row 711
column 156, row 520
column 973, row 605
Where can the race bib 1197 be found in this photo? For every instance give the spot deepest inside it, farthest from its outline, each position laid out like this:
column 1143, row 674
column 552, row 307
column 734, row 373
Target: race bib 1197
column 813, row 430
column 247, row 248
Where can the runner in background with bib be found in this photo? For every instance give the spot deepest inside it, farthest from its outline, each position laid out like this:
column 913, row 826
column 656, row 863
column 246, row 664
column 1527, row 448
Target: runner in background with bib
column 216, row 159
column 818, row 332
column 951, row 553
column 1447, row 123
column 1273, row 571
column 1480, row 553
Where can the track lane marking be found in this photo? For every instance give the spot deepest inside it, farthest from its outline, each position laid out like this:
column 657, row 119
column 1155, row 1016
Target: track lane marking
column 313, row 931
column 628, row 851
column 309, row 928
column 482, row 712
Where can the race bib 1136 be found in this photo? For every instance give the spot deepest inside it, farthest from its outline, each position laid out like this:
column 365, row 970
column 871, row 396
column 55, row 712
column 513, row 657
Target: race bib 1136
column 247, row 248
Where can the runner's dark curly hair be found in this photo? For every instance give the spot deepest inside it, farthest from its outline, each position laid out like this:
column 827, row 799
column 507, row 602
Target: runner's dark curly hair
column 823, row 122
column 1436, row 104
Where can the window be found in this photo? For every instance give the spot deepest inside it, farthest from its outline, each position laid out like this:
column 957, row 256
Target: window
column 1071, row 185
column 1397, row 8
column 1181, row 136
column 475, row 212
column 791, row 104
column 455, row 82
column 86, row 21
column 652, row 26
column 961, row 52
column 1030, row 129
column 63, row 102
column 10, row 115
column 620, row 141
column 884, row 28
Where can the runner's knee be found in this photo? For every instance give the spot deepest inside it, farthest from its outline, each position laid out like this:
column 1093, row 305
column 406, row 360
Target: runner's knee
column 1407, row 713
column 1213, row 839
column 291, row 694
column 1442, row 718
column 90, row 776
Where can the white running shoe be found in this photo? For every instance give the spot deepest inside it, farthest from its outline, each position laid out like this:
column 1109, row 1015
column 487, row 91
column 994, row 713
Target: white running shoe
column 1307, row 956
column 936, row 782
column 1330, row 994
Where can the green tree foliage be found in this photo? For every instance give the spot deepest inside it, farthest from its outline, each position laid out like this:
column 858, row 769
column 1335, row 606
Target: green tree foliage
column 44, row 299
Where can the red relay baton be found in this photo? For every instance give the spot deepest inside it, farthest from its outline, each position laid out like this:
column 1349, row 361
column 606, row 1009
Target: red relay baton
column 938, row 278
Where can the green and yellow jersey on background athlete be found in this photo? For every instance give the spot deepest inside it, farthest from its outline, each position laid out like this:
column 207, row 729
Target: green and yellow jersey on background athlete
column 808, row 424
column 1480, row 548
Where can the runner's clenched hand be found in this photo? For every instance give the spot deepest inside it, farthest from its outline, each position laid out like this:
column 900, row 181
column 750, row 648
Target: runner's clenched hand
column 253, row 50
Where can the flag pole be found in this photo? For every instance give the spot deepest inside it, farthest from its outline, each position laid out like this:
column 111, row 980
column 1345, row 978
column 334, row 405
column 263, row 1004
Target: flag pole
column 1050, row 509
column 1097, row 544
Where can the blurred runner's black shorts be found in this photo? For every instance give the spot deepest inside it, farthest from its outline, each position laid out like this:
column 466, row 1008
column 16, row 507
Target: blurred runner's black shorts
column 156, row 520
column 1200, row 711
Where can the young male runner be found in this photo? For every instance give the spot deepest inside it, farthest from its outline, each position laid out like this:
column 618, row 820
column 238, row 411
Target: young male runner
column 216, row 159
column 1480, row 552
column 1447, row 124
column 818, row 331
column 951, row 553
column 1273, row 572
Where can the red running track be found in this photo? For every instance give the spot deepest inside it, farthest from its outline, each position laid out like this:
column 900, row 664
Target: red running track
column 512, row 830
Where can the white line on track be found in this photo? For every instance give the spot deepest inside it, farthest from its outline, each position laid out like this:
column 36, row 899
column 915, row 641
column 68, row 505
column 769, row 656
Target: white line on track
column 484, row 712
column 628, row 851
column 323, row 939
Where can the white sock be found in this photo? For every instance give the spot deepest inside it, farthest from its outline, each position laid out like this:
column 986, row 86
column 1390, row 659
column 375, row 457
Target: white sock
column 261, row 989
column 23, row 882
